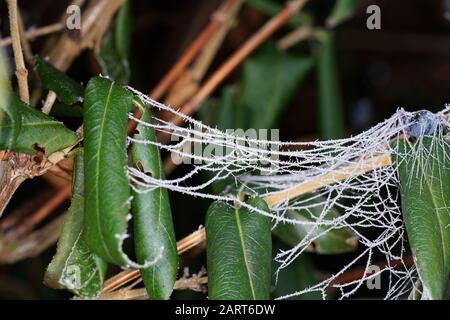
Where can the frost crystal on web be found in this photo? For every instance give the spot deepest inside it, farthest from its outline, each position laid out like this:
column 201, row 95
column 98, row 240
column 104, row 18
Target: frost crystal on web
column 353, row 175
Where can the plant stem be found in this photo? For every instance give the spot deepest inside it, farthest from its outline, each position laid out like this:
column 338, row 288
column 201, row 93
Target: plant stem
column 239, row 56
column 215, row 23
column 294, row 37
column 33, row 33
column 49, row 101
column 193, row 283
column 358, row 168
column 32, row 244
column 39, row 215
column 187, row 84
column 21, row 70
column 217, row 19
column 126, row 276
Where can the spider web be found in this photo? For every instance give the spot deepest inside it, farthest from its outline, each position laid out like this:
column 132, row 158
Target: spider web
column 353, row 175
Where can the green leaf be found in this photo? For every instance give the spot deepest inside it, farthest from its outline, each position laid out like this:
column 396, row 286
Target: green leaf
column 331, row 115
column 153, row 226
column 239, row 252
column 37, row 131
column 269, row 79
column 297, row 276
column 114, row 53
column 75, row 267
column 333, row 241
column 7, row 139
column 67, row 90
column 111, row 64
column 424, row 170
column 342, row 11
column 123, row 30
column 106, row 108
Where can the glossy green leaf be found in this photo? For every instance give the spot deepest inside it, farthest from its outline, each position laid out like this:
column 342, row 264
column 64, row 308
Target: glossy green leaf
column 239, row 252
column 67, row 90
column 297, row 276
column 75, row 267
column 37, row 131
column 424, row 170
column 114, row 53
column 269, row 79
column 342, row 11
column 331, row 115
column 152, row 219
column 333, row 241
column 106, row 107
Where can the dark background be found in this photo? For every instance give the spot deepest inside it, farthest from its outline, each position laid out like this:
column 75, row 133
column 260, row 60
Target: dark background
column 405, row 64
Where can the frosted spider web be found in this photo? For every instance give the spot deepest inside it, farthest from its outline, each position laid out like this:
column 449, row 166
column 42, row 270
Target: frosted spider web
column 354, row 175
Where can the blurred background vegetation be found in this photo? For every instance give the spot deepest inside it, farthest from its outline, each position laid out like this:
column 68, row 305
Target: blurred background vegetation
column 336, row 83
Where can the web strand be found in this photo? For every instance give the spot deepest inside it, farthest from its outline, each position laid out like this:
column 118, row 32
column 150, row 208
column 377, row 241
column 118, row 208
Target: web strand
column 354, row 176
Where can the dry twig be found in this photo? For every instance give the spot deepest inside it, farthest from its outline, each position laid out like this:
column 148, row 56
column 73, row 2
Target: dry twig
column 33, row 33
column 194, row 283
column 238, row 57
column 217, row 19
column 127, row 276
column 21, row 70
column 32, row 244
column 294, row 37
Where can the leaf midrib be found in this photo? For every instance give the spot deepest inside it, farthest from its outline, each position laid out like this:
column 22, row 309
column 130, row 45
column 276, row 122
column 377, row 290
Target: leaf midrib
column 97, row 177
column 33, row 124
column 244, row 252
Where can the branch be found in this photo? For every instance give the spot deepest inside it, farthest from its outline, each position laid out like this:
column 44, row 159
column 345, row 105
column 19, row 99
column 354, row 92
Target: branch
column 33, row 33
column 21, row 70
column 95, row 20
column 297, row 35
column 16, row 168
column 188, row 82
column 238, row 57
column 194, row 283
column 28, row 54
column 39, row 215
column 127, row 276
column 358, row 272
column 49, row 102
column 356, row 169
column 217, row 20
column 32, row 244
